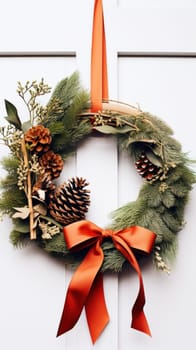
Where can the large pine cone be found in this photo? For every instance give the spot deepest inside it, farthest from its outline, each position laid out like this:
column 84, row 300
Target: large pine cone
column 38, row 138
column 70, row 201
column 52, row 164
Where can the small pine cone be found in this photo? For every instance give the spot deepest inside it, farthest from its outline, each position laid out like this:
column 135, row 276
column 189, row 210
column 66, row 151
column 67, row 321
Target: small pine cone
column 38, row 139
column 43, row 186
column 52, row 164
column 146, row 169
column 70, row 201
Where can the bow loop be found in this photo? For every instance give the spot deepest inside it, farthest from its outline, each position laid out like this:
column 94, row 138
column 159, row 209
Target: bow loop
column 78, row 237
column 138, row 237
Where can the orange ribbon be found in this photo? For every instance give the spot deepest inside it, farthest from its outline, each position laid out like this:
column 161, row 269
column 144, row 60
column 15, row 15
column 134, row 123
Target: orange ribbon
column 99, row 81
column 86, row 286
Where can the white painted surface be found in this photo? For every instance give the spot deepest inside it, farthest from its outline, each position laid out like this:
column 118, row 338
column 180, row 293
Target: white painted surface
column 33, row 284
column 164, row 87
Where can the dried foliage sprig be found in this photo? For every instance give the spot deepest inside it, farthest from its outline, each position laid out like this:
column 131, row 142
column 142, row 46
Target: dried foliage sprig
column 29, row 94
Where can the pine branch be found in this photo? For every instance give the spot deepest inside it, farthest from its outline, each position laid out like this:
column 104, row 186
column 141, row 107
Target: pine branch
column 66, row 90
column 18, row 239
column 79, row 104
column 12, row 198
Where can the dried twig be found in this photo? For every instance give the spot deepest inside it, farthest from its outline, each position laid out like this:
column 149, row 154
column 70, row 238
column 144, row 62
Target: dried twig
column 28, row 191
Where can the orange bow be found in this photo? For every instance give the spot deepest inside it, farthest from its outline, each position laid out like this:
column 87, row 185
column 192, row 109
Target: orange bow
column 86, row 286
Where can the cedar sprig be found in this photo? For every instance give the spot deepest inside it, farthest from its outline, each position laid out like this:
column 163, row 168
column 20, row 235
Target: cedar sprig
column 44, row 113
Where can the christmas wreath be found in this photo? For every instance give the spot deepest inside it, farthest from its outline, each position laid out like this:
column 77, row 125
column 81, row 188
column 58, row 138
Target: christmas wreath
column 40, row 208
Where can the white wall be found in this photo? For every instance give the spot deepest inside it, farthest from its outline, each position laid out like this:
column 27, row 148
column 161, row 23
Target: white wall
column 33, row 284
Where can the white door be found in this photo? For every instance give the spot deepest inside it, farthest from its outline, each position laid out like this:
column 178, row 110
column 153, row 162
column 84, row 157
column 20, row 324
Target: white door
column 151, row 62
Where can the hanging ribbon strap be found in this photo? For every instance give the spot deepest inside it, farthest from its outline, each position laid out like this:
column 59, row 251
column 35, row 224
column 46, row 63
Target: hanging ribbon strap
column 86, row 286
column 99, row 80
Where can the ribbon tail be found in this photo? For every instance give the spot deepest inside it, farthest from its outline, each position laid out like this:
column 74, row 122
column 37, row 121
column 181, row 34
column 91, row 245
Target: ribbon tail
column 79, row 289
column 73, row 305
column 139, row 321
column 96, row 310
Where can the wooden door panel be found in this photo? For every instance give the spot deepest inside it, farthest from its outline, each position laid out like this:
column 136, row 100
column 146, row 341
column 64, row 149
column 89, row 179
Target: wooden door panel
column 32, row 283
column 143, row 43
column 166, row 88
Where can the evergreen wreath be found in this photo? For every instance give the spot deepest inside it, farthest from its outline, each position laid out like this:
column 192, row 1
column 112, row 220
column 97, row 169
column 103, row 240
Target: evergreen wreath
column 39, row 208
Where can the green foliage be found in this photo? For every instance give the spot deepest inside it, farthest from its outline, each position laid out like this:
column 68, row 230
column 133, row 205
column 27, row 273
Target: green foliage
column 168, row 199
column 19, row 236
column 182, row 174
column 12, row 115
column 56, row 245
column 161, row 211
column 78, row 105
column 169, row 249
column 56, row 128
column 66, row 90
column 10, row 164
column 18, row 239
column 67, row 128
column 158, row 124
column 21, row 226
column 11, row 196
column 171, row 221
column 66, row 142
column 113, row 259
column 152, row 134
column 107, row 129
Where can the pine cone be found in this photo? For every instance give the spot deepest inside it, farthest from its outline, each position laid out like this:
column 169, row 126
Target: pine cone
column 38, row 138
column 52, row 164
column 43, row 187
column 70, row 201
column 147, row 169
